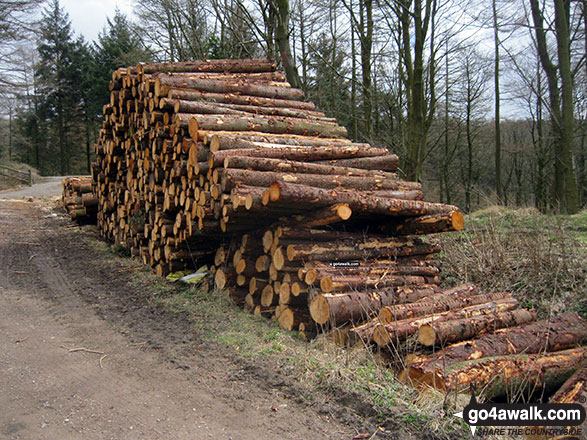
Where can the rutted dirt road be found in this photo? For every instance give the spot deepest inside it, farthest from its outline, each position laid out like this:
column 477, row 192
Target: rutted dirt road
column 156, row 379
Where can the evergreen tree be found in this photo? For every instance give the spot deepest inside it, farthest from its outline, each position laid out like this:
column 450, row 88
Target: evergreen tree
column 117, row 46
column 60, row 79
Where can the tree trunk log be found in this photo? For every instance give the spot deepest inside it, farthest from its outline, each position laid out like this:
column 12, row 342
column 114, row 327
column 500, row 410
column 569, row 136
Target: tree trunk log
column 399, row 331
column 388, row 162
column 442, row 333
column 231, row 177
column 398, row 312
column 277, row 151
column 428, row 224
column 301, row 194
column 540, row 373
column 559, row 333
column 226, row 86
column 238, row 99
column 267, row 124
column 222, row 66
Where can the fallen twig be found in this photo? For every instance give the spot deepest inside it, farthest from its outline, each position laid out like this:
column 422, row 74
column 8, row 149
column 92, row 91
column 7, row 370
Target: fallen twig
column 102, row 358
column 87, row 350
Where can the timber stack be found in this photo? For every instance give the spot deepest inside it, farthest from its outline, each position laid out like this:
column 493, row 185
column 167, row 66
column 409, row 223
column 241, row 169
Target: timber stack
column 222, row 162
column 78, row 199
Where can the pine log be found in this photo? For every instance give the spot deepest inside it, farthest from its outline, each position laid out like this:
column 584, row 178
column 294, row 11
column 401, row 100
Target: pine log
column 295, row 153
column 387, row 162
column 441, row 333
column 398, row 331
column 264, row 124
column 232, row 177
column 360, row 282
column 236, row 66
column 427, row 224
column 371, row 248
column 239, row 99
column 516, row 375
column 339, row 308
column 561, row 332
column 228, row 140
column 293, row 193
column 204, row 108
column 226, row 86
column 398, row 312
column 292, row 166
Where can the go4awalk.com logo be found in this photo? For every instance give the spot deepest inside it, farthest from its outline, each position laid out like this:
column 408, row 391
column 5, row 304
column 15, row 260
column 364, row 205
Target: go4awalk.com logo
column 547, row 419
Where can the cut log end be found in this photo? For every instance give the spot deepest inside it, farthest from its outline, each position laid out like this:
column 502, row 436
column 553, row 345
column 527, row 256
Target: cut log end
column 287, row 319
column 278, row 259
column 274, row 192
column 457, row 220
column 343, row 211
column 381, row 336
column 319, row 310
column 427, row 335
column 220, row 279
column 193, row 129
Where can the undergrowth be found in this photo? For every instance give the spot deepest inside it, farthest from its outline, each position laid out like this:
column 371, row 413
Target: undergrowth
column 540, row 259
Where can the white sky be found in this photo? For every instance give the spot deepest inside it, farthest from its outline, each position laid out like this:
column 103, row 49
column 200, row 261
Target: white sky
column 88, row 17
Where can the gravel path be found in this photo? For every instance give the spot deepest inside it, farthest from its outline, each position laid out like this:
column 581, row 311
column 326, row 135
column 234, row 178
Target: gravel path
column 50, row 187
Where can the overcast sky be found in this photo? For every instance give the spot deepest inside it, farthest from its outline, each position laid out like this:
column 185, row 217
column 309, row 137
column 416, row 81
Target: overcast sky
column 88, row 17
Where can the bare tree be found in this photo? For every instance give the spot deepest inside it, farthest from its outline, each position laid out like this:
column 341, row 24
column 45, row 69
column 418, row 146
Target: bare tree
column 566, row 194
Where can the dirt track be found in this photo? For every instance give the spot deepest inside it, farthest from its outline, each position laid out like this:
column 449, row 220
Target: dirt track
column 157, row 379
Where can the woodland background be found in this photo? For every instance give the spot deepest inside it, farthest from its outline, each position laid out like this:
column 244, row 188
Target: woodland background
column 483, row 101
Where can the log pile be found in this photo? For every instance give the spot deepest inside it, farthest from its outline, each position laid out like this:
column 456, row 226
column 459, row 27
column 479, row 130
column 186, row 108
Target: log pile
column 223, row 163
column 78, row 199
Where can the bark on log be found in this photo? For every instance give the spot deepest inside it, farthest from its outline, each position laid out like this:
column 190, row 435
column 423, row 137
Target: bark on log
column 405, row 311
column 277, row 151
column 399, row 331
column 368, row 249
column 226, row 86
column 339, row 308
column 265, row 124
column 243, row 65
column 427, row 224
column 206, row 108
column 387, row 162
column 561, row 332
column 292, row 166
column 232, row 177
column 442, row 333
column 293, row 193
column 517, row 375
column 233, row 98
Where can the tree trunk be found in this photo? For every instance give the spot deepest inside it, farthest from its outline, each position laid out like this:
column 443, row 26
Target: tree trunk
column 267, row 124
column 221, row 66
column 393, row 313
column 164, row 83
column 443, row 333
column 282, row 40
column 299, row 167
column 283, row 192
column 305, row 154
column 540, row 373
column 237, row 99
column 399, row 331
column 559, row 333
column 232, row 177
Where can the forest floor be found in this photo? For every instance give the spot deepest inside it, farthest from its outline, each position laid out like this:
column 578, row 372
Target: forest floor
column 93, row 346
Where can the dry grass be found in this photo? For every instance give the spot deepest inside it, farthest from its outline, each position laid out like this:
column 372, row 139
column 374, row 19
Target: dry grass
column 541, row 259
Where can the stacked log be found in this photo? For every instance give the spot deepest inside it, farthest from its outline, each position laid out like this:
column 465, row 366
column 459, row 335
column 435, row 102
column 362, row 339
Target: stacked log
column 222, row 162
column 78, row 199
